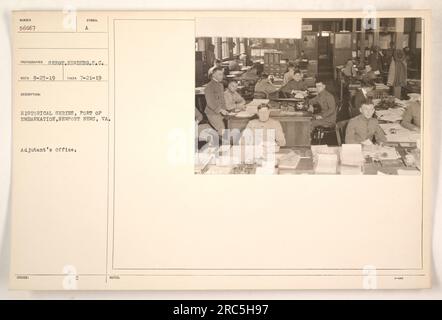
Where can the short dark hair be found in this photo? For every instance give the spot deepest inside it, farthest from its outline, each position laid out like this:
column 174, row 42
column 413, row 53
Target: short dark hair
column 217, row 61
column 298, row 71
column 264, row 75
column 262, row 105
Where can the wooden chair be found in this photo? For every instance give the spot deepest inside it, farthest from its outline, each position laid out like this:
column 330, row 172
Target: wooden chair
column 321, row 134
column 340, row 129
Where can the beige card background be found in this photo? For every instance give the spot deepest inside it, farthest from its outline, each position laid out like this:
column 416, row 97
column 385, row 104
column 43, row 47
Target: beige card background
column 162, row 227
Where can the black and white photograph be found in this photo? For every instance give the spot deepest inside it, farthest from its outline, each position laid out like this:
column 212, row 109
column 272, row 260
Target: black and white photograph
column 343, row 98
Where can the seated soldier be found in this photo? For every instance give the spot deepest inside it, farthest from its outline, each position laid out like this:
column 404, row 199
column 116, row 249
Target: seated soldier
column 233, row 100
column 349, row 70
column 289, row 75
column 295, row 84
column 265, row 85
column 265, row 123
column 363, row 128
column 368, row 75
column 412, row 116
column 327, row 115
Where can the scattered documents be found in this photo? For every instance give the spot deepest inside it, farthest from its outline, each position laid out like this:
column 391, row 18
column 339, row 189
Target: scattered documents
column 394, row 132
column 381, row 152
column 391, row 115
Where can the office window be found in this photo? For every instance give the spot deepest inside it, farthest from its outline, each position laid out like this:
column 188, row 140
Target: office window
column 225, row 48
column 237, row 46
column 215, row 42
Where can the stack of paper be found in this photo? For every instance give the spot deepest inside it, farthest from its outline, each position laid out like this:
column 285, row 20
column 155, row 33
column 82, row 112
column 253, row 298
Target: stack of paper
column 351, row 170
column 322, row 148
column 289, row 160
column 351, row 155
column 326, row 163
column 381, row 86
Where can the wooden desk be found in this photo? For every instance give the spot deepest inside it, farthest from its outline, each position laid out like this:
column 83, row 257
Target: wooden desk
column 296, row 128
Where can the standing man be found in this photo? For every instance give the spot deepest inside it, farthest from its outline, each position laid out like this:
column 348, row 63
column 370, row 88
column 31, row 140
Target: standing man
column 375, row 59
column 327, row 116
column 397, row 74
column 216, row 106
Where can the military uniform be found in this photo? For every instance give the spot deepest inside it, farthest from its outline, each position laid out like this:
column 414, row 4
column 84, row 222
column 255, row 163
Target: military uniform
column 328, row 109
column 360, row 129
column 214, row 93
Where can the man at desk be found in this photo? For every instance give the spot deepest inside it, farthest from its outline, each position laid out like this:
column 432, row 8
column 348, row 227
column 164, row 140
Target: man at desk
column 368, row 75
column 232, row 98
column 327, row 116
column 412, row 116
column 265, row 123
column 265, row 86
column 289, row 75
column 297, row 83
column 216, row 106
column 363, row 128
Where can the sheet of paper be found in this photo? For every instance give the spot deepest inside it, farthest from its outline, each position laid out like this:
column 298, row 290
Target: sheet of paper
column 351, row 154
column 326, row 163
column 104, row 192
